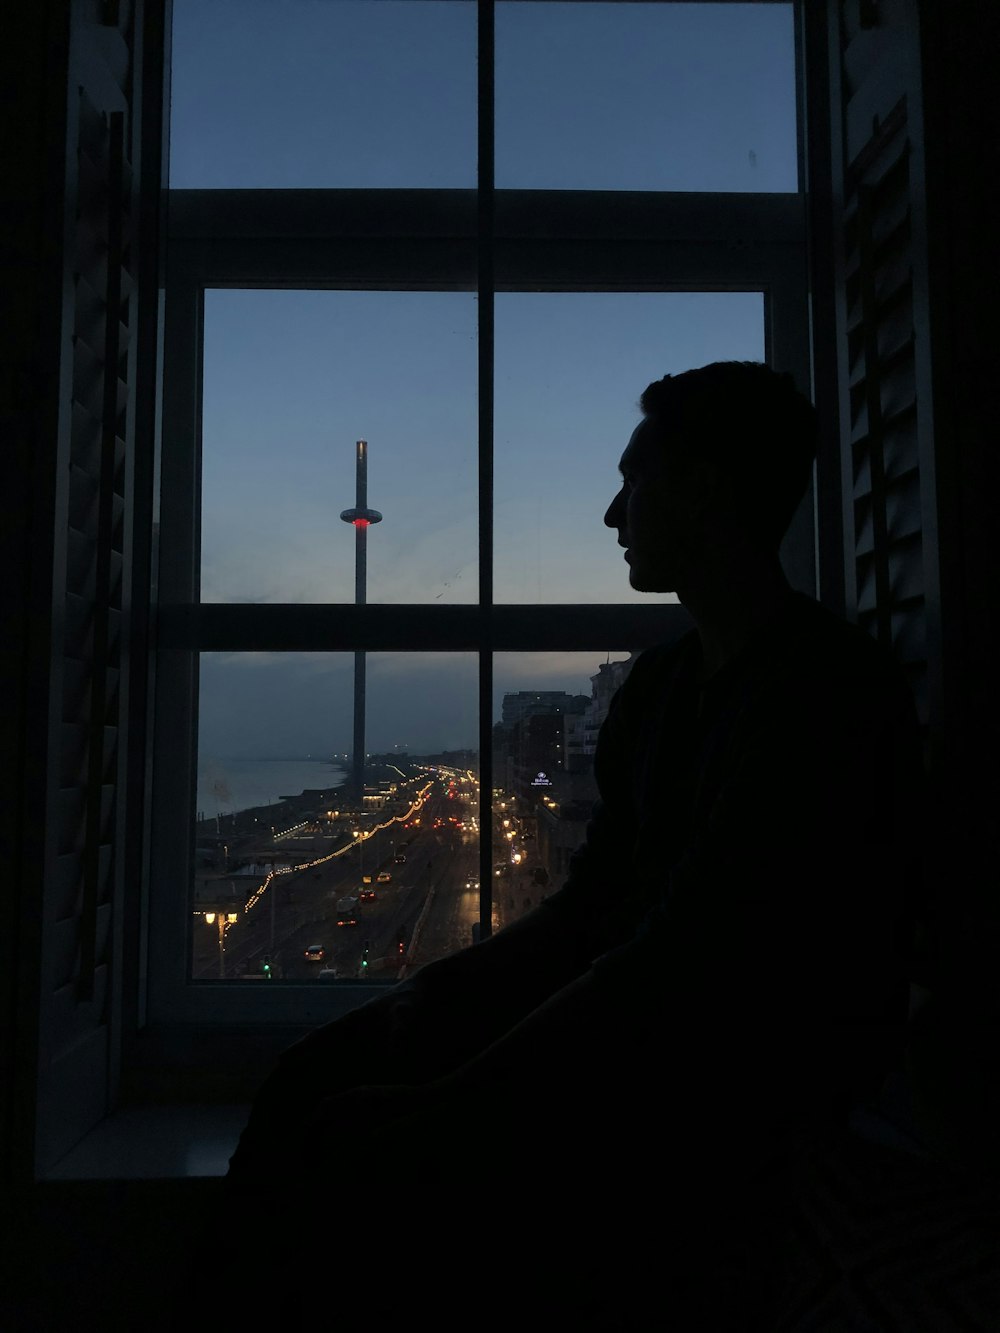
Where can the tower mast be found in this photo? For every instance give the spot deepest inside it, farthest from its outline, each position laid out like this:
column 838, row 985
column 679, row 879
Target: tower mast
column 362, row 518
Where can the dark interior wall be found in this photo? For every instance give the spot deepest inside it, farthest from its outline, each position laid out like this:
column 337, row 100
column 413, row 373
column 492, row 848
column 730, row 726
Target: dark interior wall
column 33, row 85
column 962, row 129
column 955, row 1065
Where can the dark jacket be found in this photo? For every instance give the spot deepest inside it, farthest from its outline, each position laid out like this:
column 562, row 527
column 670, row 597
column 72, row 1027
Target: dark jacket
column 742, row 890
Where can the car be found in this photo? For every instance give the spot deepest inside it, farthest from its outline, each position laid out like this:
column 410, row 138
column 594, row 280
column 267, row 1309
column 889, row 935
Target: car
column 315, row 953
column 347, row 912
column 400, row 858
column 366, row 895
column 383, row 877
column 366, row 879
column 326, row 974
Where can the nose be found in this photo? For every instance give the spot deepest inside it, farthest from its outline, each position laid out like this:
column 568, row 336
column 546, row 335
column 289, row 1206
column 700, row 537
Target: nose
column 613, row 513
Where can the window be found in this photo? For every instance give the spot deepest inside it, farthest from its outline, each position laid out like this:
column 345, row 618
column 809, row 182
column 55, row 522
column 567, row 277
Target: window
column 630, row 97
column 569, row 368
column 312, row 95
column 281, row 843
column 487, row 338
column 291, row 379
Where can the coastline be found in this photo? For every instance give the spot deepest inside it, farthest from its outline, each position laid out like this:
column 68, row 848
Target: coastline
column 266, row 790
column 286, row 809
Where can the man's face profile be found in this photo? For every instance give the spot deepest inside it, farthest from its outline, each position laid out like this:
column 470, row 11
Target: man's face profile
column 652, row 512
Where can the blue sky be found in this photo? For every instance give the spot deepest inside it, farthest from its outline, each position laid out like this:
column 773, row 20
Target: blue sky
column 293, row 379
column 382, row 93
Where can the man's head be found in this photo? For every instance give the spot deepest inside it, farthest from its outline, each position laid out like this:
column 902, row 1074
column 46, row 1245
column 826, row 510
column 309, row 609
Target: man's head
column 716, row 467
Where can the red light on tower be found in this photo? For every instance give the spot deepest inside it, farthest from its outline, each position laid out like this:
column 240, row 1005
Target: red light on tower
column 361, row 516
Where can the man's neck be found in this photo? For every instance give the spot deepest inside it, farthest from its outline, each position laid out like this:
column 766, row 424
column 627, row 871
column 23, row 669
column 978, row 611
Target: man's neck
column 730, row 608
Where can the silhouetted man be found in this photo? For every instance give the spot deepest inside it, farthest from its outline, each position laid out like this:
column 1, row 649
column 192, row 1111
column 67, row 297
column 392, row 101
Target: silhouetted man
column 587, row 1112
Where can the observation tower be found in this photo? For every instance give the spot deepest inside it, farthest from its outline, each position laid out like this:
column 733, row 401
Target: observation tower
column 362, row 518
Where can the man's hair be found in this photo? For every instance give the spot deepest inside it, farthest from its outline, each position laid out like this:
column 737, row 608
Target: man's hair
column 753, row 423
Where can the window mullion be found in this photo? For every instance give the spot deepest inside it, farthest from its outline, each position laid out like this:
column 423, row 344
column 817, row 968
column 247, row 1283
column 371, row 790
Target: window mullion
column 302, row 628
column 485, row 285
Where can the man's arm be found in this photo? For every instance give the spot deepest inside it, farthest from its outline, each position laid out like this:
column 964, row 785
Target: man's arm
column 519, row 967
column 451, row 1009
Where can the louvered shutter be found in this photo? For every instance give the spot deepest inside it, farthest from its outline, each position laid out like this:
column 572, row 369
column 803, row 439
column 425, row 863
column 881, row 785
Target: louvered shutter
column 889, row 518
column 86, row 807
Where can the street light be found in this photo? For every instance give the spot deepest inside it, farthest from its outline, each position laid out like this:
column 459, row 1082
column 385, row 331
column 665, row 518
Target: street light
column 224, row 921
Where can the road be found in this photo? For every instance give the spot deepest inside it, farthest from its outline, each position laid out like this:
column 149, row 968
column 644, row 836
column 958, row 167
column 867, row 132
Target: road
column 427, row 906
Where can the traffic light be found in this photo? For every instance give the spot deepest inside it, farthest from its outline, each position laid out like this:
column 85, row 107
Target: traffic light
column 265, row 967
column 364, row 957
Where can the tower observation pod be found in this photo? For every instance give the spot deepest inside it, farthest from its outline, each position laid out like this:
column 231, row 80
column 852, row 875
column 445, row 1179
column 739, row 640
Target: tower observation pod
column 362, row 518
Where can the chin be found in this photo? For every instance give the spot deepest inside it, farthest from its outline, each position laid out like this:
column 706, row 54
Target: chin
column 643, row 581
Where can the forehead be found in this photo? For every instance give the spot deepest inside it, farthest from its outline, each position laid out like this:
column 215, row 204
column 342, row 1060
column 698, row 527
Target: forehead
column 644, row 452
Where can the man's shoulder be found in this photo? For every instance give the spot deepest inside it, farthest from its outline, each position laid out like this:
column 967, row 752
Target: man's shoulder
column 656, row 663
column 809, row 641
column 816, row 654
column 811, row 634
column 806, row 634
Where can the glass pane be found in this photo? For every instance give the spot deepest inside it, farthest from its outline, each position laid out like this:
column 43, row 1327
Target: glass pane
column 318, row 95
column 292, row 380
column 547, row 711
column 570, row 368
column 300, row 877
column 645, row 97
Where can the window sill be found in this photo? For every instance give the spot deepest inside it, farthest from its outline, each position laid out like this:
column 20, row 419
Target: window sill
column 156, row 1143
column 195, row 1141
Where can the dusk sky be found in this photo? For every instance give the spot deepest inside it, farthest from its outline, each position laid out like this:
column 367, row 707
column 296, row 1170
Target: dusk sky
column 382, row 93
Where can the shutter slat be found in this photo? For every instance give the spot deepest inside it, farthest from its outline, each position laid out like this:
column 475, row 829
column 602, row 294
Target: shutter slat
column 884, row 504
column 74, row 755
column 86, row 815
column 66, row 882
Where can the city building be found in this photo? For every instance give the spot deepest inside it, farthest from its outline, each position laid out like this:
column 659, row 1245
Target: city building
column 525, row 703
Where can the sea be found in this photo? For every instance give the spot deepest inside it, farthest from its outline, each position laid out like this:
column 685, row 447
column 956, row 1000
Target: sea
column 226, row 786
